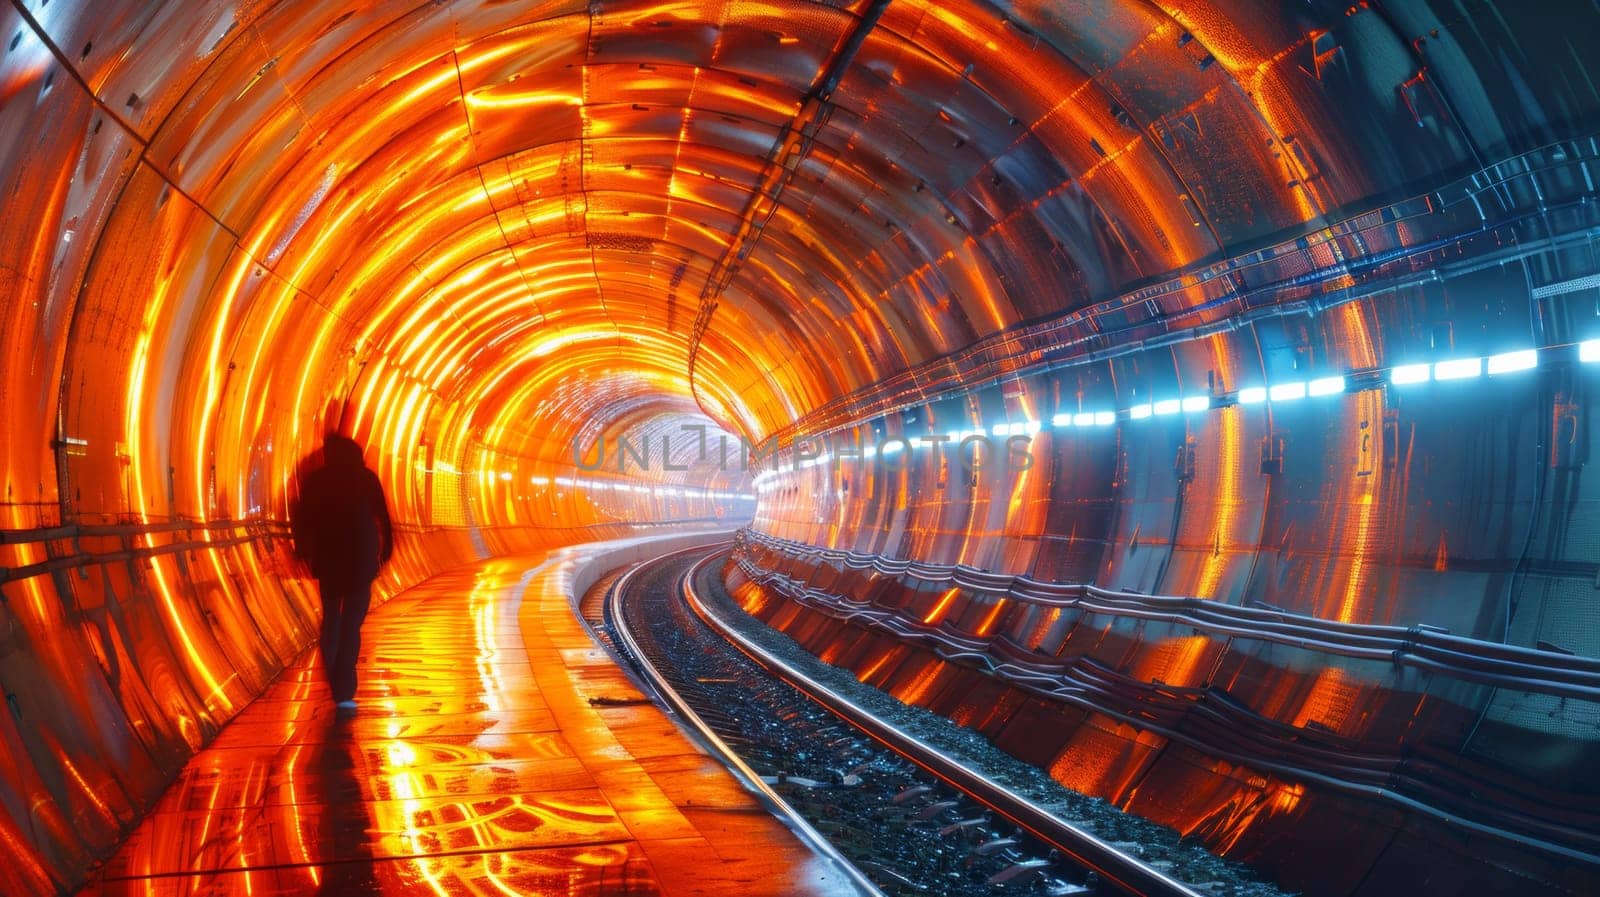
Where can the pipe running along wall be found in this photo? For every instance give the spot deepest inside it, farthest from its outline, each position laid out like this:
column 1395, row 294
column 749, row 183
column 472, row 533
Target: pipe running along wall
column 473, row 235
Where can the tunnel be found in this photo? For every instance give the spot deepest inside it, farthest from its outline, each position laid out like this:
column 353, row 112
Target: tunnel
column 1191, row 397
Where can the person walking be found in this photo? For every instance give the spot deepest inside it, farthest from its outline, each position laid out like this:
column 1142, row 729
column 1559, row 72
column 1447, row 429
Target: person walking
column 340, row 524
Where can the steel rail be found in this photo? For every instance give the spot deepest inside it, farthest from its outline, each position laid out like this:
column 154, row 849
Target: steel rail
column 1116, row 866
column 657, row 683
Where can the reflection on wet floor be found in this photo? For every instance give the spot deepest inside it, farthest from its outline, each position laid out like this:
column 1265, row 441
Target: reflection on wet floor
column 476, row 764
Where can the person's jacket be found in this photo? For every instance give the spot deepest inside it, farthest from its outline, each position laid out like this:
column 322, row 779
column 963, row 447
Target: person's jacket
column 340, row 520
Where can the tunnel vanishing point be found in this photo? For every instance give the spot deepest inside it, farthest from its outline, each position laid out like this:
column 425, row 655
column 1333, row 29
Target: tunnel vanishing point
column 1294, row 308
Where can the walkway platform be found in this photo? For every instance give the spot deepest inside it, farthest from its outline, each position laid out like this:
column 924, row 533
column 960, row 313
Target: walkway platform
column 476, row 764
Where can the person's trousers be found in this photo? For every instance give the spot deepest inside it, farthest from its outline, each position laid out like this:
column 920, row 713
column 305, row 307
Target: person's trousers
column 344, row 608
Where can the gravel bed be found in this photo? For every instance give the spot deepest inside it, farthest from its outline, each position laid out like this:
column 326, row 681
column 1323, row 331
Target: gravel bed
column 905, row 830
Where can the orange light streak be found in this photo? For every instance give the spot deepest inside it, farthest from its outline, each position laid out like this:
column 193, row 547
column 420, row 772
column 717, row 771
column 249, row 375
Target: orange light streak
column 991, row 617
column 937, row 613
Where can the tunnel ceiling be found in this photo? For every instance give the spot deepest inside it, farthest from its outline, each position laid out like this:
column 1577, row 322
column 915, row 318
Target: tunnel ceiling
column 447, row 210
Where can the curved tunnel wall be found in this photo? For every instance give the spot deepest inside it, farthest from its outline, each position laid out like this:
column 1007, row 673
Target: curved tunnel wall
column 1131, row 453
column 1346, row 499
column 487, row 231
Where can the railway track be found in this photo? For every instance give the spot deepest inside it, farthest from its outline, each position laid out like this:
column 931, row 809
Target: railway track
column 904, row 817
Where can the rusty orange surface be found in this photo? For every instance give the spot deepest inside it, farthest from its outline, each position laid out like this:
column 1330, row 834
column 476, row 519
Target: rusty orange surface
column 475, row 764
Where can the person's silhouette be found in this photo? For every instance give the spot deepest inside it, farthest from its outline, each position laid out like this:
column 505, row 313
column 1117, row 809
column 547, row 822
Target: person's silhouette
column 341, row 528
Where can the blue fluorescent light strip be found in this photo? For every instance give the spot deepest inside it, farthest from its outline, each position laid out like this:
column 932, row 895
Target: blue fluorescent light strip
column 1458, row 369
column 1410, row 373
column 1400, row 375
column 1508, row 362
column 1287, row 392
column 1325, row 386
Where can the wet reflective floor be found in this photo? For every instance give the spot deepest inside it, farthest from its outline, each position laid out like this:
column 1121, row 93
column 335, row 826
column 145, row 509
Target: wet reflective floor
column 476, row 764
